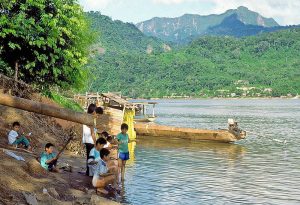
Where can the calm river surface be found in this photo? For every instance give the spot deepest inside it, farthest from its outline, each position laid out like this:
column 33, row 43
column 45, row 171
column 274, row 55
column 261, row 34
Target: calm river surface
column 262, row 169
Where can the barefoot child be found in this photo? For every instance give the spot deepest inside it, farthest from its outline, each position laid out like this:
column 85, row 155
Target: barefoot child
column 103, row 176
column 94, row 156
column 15, row 139
column 49, row 159
column 123, row 140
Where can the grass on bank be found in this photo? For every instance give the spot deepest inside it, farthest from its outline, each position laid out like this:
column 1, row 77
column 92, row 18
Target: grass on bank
column 64, row 101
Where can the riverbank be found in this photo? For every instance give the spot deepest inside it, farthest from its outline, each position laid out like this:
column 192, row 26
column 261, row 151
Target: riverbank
column 19, row 176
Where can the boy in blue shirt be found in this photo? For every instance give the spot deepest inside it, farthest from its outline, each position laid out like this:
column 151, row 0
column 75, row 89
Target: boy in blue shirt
column 49, row 159
column 123, row 140
column 103, row 176
column 94, row 156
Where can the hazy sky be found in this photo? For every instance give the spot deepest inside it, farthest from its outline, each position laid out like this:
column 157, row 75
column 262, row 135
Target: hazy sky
column 285, row 12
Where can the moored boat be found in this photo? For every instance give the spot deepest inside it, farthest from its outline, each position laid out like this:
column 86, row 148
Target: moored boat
column 155, row 130
column 145, row 119
column 141, row 109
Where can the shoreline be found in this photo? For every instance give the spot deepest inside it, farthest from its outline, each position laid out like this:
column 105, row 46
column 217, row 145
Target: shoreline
column 219, row 98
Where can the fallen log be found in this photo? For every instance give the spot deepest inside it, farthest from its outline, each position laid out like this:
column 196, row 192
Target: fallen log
column 110, row 121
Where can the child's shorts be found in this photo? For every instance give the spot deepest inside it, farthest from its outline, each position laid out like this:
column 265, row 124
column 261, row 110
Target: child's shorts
column 124, row 156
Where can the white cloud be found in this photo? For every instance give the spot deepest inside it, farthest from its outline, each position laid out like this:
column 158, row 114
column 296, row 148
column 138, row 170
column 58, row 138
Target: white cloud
column 171, row 1
column 94, row 4
column 284, row 11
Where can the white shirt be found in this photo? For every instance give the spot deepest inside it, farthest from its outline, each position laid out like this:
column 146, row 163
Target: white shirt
column 107, row 145
column 87, row 135
column 12, row 136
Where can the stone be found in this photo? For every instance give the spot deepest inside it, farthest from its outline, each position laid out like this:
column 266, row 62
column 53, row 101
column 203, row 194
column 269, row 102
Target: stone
column 91, row 192
column 30, row 198
column 53, row 192
column 96, row 200
column 35, row 168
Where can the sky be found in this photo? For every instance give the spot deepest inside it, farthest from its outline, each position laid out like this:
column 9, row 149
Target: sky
column 285, row 12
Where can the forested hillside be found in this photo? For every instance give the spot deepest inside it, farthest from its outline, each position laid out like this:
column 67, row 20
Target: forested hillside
column 264, row 65
column 120, row 37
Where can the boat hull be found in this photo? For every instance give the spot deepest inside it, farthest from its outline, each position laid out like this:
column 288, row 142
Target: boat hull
column 155, row 130
column 148, row 119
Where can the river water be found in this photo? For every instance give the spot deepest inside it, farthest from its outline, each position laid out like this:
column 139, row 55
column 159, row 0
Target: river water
column 262, row 169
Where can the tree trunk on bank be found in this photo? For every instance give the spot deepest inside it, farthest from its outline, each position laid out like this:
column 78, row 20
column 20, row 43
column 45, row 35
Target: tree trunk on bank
column 110, row 121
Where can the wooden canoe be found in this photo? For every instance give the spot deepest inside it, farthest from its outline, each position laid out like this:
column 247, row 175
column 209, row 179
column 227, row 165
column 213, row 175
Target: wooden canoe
column 155, row 130
column 145, row 119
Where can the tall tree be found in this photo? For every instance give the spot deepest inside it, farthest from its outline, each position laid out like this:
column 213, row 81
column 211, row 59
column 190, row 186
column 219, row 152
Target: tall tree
column 45, row 42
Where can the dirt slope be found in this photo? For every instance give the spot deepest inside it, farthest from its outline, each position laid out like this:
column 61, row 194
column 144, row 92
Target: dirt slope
column 69, row 188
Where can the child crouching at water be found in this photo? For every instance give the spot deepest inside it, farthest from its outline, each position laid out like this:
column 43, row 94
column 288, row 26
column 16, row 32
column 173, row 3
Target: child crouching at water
column 103, row 176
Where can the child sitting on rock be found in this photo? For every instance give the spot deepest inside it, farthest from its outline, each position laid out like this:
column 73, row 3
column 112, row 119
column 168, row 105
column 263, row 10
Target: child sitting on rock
column 14, row 138
column 49, row 158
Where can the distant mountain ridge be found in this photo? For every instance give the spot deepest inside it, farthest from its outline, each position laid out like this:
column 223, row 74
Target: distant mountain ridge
column 182, row 29
column 232, row 26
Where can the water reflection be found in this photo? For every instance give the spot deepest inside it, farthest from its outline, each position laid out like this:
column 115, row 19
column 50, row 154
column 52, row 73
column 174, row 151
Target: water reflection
column 167, row 169
column 226, row 150
column 131, row 148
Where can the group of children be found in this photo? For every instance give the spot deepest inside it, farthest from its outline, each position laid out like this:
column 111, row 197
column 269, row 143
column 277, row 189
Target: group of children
column 106, row 156
column 103, row 165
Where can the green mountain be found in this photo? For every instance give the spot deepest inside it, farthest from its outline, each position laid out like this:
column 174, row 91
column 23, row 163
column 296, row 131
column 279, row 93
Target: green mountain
column 116, row 36
column 263, row 65
column 181, row 29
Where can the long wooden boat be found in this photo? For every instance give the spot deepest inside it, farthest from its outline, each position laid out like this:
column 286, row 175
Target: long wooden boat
column 145, row 119
column 155, row 130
